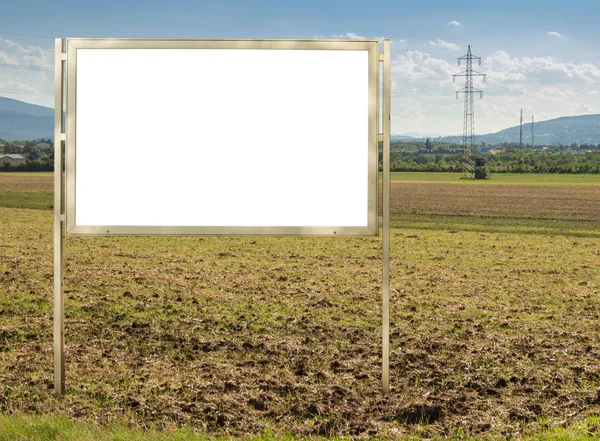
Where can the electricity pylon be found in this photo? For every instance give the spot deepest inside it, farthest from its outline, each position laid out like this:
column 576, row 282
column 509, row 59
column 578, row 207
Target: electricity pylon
column 532, row 139
column 468, row 160
column 521, row 132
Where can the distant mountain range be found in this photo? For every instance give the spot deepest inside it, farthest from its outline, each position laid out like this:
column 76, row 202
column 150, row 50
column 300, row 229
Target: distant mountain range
column 582, row 129
column 21, row 121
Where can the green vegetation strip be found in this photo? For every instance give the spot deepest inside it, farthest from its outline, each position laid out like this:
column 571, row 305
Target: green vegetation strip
column 45, row 428
column 499, row 178
column 36, row 428
column 37, row 200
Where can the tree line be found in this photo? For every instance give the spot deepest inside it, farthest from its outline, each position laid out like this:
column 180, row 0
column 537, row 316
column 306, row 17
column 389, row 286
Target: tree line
column 37, row 158
column 424, row 156
column 409, row 156
column 505, row 162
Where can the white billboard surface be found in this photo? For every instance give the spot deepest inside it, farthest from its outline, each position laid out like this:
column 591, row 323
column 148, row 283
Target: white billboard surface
column 168, row 140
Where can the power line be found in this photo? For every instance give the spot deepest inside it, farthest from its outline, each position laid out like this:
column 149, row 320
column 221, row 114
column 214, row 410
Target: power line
column 27, row 35
column 411, row 89
column 16, row 116
column 506, row 106
column 43, row 92
column 422, row 49
column 24, row 66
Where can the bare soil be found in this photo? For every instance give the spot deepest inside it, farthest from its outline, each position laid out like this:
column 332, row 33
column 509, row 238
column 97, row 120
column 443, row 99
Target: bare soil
column 26, row 182
column 581, row 202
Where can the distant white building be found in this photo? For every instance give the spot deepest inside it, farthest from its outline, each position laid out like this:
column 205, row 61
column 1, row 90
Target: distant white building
column 12, row 158
column 43, row 145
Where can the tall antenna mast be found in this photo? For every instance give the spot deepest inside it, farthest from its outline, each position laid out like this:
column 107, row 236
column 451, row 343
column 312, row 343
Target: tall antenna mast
column 521, row 132
column 468, row 161
column 532, row 143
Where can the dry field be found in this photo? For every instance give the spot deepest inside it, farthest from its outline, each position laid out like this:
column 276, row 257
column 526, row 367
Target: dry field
column 526, row 201
column 494, row 331
column 24, row 182
column 26, row 190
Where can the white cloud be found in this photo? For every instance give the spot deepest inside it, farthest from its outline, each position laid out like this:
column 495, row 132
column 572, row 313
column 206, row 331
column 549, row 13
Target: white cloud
column 34, row 84
column 380, row 40
column 419, row 65
column 454, row 23
column 348, row 35
column 354, row 36
column 32, row 56
column 443, row 44
column 501, row 67
column 16, row 85
column 553, row 93
column 555, row 34
column 400, row 41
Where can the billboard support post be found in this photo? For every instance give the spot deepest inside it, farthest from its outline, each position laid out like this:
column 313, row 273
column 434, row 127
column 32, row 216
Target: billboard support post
column 386, row 116
column 59, row 138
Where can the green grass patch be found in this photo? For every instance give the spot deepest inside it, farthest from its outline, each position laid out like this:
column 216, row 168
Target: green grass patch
column 41, row 428
column 37, row 200
column 499, row 178
column 27, row 190
column 48, row 428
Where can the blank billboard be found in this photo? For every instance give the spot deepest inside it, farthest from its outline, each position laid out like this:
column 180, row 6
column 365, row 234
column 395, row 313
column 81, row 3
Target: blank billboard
column 221, row 137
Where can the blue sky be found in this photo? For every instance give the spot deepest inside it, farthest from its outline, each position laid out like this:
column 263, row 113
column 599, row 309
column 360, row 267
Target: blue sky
column 542, row 56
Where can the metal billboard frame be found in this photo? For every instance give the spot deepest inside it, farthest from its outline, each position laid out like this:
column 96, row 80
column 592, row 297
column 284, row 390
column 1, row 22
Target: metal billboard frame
column 369, row 46
column 64, row 133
